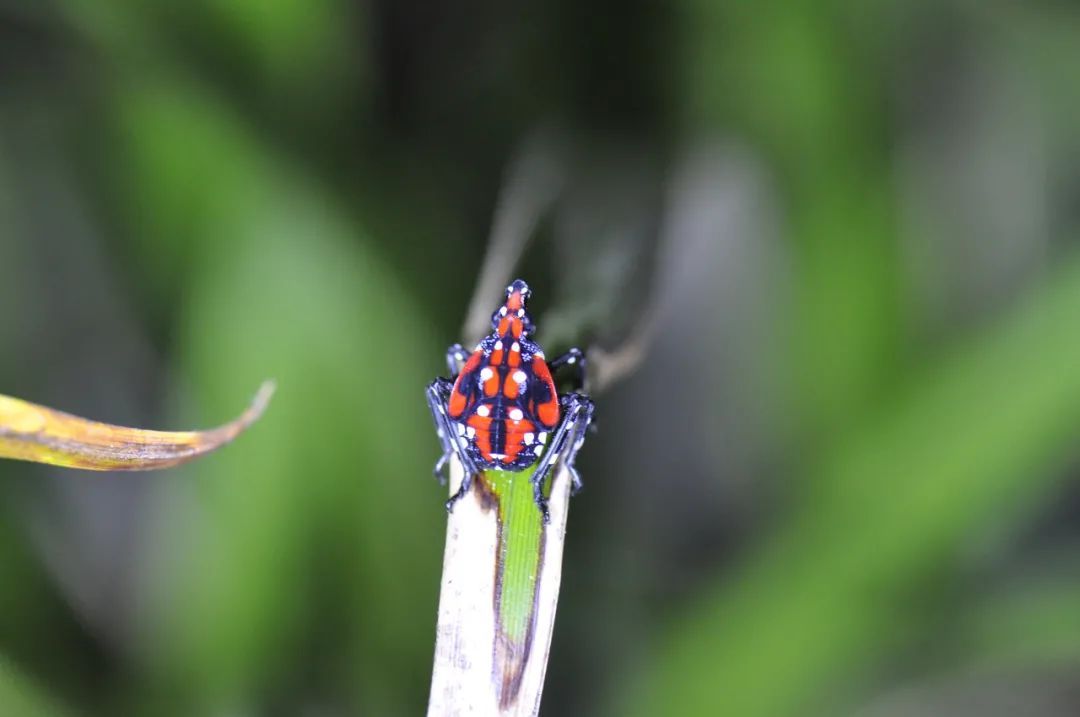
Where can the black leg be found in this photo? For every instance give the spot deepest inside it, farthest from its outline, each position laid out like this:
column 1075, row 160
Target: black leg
column 456, row 356
column 565, row 443
column 438, row 393
column 575, row 358
column 577, row 440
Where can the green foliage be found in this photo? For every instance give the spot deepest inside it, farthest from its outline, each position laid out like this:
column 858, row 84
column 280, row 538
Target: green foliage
column 828, row 592
column 275, row 190
column 21, row 697
column 327, row 480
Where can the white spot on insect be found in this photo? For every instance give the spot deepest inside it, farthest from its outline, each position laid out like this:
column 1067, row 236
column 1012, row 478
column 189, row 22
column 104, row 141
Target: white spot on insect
column 461, row 429
column 572, row 359
column 498, row 345
column 515, row 346
column 528, row 439
column 521, row 312
column 519, row 376
column 470, row 431
column 462, row 442
column 502, row 311
column 486, row 373
column 483, row 411
column 498, row 456
column 516, row 414
column 479, row 346
column 539, row 354
column 542, row 437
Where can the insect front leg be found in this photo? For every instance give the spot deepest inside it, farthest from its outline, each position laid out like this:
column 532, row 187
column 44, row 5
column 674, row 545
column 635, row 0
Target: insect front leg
column 574, row 358
column 565, row 443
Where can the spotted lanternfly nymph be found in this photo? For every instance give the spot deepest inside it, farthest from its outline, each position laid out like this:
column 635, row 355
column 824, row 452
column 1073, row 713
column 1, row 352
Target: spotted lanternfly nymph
column 499, row 410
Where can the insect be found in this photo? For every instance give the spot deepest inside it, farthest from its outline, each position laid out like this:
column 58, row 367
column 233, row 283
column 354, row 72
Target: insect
column 500, row 410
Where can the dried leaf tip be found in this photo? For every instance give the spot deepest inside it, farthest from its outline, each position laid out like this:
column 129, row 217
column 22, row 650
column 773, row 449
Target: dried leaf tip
column 259, row 403
column 30, row 432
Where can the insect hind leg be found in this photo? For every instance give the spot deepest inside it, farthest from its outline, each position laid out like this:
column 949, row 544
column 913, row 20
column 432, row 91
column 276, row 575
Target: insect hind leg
column 576, row 439
column 437, row 393
column 567, row 440
column 438, row 396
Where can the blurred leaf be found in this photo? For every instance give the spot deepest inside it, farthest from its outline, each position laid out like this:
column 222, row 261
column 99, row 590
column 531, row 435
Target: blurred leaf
column 1034, row 625
column 335, row 519
column 794, row 79
column 286, row 42
column 30, row 432
column 290, row 41
column 969, row 441
column 19, row 696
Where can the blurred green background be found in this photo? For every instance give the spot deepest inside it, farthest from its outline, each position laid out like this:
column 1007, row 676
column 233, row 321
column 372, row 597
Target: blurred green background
column 841, row 483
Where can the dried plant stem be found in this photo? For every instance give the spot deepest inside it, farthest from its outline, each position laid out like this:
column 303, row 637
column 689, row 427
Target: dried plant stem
column 501, row 574
column 533, row 181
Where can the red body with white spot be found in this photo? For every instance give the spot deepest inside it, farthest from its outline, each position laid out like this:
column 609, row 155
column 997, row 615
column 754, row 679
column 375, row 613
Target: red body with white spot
column 504, row 403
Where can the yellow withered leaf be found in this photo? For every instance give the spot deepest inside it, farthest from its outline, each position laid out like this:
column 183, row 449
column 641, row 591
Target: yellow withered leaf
column 29, row 432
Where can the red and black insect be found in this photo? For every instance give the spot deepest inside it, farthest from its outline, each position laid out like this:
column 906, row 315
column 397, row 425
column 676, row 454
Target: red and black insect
column 500, row 409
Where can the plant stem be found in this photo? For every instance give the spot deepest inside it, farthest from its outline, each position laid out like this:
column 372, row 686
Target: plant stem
column 501, row 574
